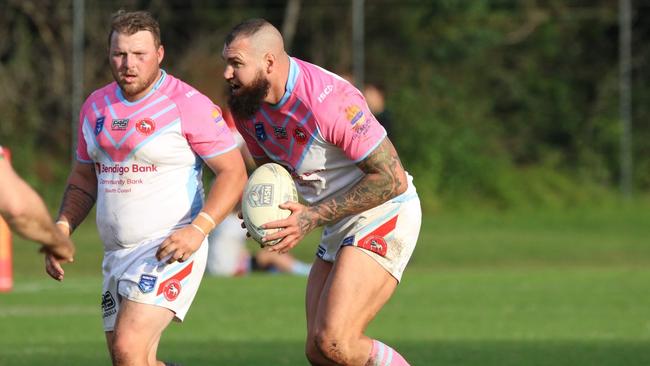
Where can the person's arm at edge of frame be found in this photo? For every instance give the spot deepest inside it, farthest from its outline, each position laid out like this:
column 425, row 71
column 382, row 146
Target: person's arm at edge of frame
column 26, row 214
column 78, row 199
column 225, row 193
column 384, row 179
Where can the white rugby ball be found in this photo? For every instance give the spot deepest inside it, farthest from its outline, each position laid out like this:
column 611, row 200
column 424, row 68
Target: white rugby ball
column 269, row 186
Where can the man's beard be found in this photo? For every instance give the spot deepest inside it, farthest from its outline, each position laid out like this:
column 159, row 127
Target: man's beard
column 248, row 99
column 134, row 88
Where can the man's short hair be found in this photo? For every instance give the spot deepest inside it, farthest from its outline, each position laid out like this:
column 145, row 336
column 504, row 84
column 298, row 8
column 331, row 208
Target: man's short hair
column 132, row 22
column 246, row 28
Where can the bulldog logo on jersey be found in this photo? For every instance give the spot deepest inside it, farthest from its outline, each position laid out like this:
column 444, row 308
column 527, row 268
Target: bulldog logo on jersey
column 300, row 135
column 145, row 126
column 99, row 125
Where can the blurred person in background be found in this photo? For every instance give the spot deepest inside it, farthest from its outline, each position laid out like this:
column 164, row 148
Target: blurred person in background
column 142, row 142
column 228, row 254
column 25, row 213
column 319, row 127
column 377, row 103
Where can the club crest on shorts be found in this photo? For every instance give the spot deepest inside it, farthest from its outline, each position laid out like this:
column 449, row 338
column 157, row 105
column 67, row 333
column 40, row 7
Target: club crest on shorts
column 147, row 283
column 375, row 244
column 172, row 289
column 145, row 126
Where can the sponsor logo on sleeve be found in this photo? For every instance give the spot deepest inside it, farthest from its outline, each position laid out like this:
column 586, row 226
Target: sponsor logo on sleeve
column 147, row 283
column 99, row 125
column 119, row 124
column 328, row 89
column 216, row 116
column 145, row 126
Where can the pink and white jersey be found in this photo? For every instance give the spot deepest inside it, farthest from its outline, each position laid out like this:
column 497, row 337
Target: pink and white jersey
column 147, row 157
column 319, row 130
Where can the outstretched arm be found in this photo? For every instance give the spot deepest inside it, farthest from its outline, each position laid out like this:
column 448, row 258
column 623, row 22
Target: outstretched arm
column 384, row 179
column 26, row 214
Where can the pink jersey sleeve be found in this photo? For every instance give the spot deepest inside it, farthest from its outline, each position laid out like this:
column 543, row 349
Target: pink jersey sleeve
column 204, row 127
column 346, row 121
column 252, row 145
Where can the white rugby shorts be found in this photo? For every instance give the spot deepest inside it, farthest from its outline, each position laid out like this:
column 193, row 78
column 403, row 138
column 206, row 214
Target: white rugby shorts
column 135, row 274
column 388, row 233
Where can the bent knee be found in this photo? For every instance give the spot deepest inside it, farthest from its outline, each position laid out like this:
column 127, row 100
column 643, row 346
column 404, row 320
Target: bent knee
column 331, row 346
column 123, row 351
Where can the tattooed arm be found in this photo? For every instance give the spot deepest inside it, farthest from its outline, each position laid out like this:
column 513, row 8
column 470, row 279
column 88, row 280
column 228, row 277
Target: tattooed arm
column 384, row 179
column 79, row 196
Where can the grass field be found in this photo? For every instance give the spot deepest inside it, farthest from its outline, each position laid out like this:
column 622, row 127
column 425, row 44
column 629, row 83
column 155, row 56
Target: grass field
column 552, row 288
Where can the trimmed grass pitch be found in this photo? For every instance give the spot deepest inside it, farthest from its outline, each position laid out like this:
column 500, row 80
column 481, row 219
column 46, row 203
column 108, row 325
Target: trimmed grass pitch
column 552, row 288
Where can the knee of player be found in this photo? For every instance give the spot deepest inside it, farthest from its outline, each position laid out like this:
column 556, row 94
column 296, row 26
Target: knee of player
column 122, row 351
column 330, row 344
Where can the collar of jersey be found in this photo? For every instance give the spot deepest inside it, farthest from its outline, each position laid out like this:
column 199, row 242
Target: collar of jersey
column 294, row 70
column 160, row 81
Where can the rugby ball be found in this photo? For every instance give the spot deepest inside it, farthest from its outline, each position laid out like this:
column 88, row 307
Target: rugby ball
column 269, row 186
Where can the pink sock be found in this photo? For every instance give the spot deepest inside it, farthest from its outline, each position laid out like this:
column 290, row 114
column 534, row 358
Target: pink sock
column 383, row 355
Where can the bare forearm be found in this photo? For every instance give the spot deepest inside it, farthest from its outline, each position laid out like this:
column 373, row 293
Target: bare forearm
column 31, row 220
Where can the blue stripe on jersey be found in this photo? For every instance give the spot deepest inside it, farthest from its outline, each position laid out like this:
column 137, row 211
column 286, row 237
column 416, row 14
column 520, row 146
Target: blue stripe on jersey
column 89, row 131
column 110, row 107
column 234, row 146
column 95, row 109
column 267, row 117
column 148, row 106
column 120, row 96
column 194, row 194
column 163, row 111
column 294, row 70
column 154, row 135
column 291, row 112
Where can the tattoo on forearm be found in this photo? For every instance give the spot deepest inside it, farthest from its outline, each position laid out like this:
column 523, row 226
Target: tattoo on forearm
column 76, row 205
column 385, row 179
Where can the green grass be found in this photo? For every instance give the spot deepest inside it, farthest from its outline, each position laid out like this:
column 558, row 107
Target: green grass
column 528, row 288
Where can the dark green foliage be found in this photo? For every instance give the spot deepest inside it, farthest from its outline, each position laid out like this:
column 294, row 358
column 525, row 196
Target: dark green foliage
column 508, row 103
